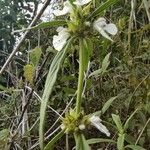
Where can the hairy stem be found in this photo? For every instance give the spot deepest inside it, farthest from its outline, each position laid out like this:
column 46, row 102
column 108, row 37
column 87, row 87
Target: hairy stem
column 80, row 78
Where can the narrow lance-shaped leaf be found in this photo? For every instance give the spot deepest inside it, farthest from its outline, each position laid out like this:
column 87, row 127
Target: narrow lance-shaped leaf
column 53, row 23
column 100, row 140
column 120, row 142
column 50, row 145
column 42, row 25
column 107, row 104
column 135, row 147
column 118, row 123
column 96, row 73
column 50, row 81
column 103, row 7
column 78, row 141
column 105, row 64
column 85, row 145
column 128, row 120
column 87, row 51
column 81, row 142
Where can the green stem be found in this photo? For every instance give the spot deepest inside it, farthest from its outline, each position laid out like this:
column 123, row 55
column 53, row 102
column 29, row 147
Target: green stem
column 80, row 78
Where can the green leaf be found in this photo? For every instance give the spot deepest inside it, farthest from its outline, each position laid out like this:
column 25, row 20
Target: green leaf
column 103, row 7
column 53, row 23
column 118, row 123
column 87, row 51
column 102, row 70
column 29, row 71
column 50, row 145
column 35, row 55
column 107, row 104
column 85, row 145
column 2, row 88
column 4, row 134
column 120, row 142
column 4, row 139
column 128, row 120
column 42, row 25
column 81, row 142
column 100, row 140
column 135, row 147
column 130, row 139
column 96, row 73
column 50, row 81
column 78, row 141
column 105, row 62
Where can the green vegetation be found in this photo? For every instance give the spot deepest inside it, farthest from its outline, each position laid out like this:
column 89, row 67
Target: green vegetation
column 84, row 86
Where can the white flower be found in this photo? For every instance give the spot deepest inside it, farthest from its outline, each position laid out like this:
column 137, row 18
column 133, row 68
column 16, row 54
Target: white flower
column 66, row 9
column 81, row 2
column 103, row 28
column 60, row 40
column 96, row 121
column 69, row 8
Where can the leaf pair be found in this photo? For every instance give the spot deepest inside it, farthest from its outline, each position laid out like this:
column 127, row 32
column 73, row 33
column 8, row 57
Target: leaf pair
column 121, row 129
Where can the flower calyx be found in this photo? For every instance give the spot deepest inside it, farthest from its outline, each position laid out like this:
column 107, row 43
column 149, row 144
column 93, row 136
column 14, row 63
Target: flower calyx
column 73, row 123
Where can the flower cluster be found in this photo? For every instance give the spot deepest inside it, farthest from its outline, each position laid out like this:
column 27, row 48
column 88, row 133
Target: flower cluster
column 75, row 123
column 99, row 25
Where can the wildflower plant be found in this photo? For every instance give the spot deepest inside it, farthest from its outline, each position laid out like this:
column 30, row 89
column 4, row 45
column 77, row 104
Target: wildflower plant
column 83, row 23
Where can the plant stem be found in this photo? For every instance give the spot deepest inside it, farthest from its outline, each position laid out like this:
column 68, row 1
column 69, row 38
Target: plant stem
column 80, row 78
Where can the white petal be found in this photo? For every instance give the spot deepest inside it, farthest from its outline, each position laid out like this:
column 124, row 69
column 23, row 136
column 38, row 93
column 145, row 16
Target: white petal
column 102, row 32
column 81, row 126
column 96, row 121
column 103, row 28
column 100, row 22
column 60, row 29
column 56, row 44
column 62, row 12
column 67, row 9
column 111, row 29
column 60, row 40
column 101, row 128
column 81, row 2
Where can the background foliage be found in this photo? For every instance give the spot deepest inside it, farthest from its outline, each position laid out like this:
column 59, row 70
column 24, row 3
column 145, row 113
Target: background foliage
column 127, row 77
